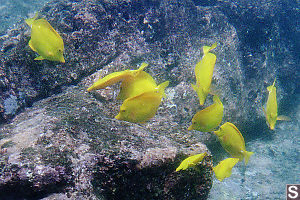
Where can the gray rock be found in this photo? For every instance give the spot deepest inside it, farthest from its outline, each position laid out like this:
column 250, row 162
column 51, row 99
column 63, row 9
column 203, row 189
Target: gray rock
column 69, row 145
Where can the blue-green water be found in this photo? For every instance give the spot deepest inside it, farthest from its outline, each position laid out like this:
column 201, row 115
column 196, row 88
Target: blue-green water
column 13, row 11
column 274, row 164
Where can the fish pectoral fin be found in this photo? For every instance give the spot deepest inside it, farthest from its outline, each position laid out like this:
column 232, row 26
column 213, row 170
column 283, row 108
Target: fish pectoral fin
column 283, row 118
column 194, row 87
column 39, row 58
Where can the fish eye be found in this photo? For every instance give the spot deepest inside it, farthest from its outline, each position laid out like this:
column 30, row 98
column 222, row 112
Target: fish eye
column 122, row 110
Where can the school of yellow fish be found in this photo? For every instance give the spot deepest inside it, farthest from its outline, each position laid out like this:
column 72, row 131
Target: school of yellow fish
column 140, row 94
column 141, row 97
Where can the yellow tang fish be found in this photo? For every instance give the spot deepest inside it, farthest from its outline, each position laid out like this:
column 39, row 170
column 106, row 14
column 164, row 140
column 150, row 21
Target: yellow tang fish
column 271, row 108
column 203, row 72
column 223, row 169
column 116, row 77
column 140, row 108
column 191, row 161
column 45, row 40
column 209, row 118
column 233, row 142
column 143, row 82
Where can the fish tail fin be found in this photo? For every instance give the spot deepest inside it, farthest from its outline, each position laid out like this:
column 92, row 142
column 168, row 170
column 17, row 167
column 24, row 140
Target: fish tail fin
column 247, row 156
column 216, row 99
column 30, row 21
column 207, row 49
column 217, row 132
column 161, row 88
column 274, row 82
column 283, row 118
column 271, row 86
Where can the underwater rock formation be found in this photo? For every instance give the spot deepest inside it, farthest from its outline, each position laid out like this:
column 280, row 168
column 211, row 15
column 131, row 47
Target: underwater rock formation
column 69, row 145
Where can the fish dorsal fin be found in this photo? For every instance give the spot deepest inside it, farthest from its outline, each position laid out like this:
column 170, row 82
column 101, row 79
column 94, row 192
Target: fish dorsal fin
column 46, row 23
column 207, row 49
column 237, row 130
column 30, row 21
column 143, row 95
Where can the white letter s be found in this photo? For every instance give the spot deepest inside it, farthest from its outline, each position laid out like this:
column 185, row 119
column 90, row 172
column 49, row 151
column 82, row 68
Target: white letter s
column 293, row 189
